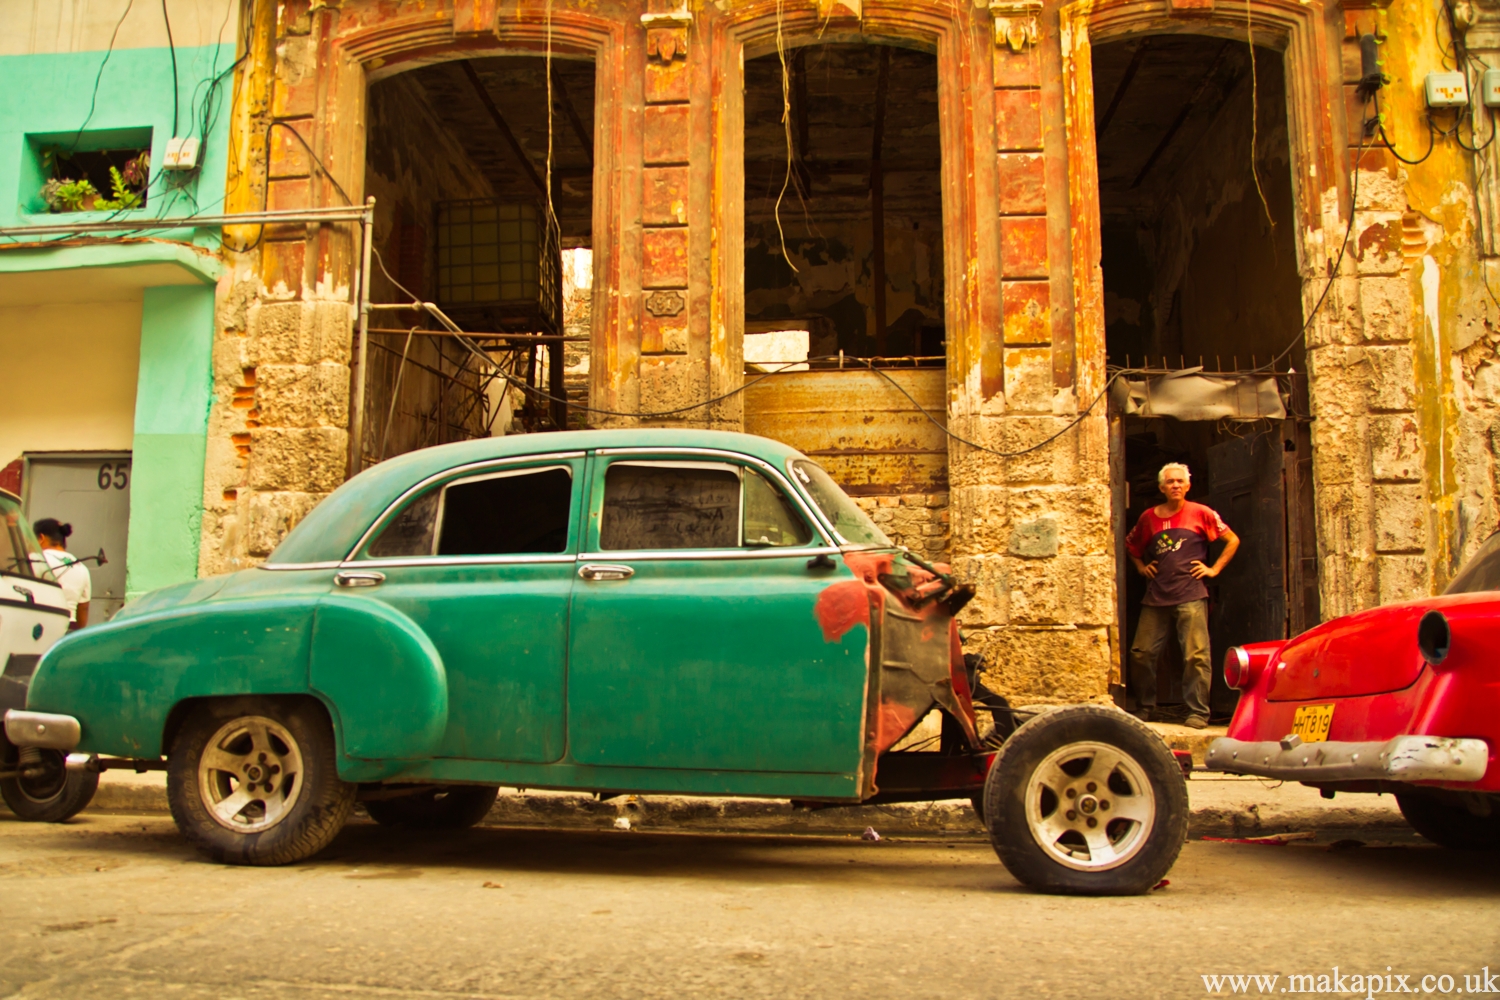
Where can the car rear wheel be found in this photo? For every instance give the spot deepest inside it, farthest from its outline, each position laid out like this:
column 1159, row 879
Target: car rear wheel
column 253, row 781
column 46, row 791
column 445, row 807
column 1449, row 824
column 1086, row 800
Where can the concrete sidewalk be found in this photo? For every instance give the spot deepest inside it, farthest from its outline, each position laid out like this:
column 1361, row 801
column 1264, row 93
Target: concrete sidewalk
column 1222, row 806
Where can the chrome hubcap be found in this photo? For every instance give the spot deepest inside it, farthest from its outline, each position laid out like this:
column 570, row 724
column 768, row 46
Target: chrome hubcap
column 1089, row 806
column 250, row 774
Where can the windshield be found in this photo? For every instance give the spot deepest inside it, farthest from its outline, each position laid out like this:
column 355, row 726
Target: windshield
column 20, row 555
column 1480, row 573
column 852, row 525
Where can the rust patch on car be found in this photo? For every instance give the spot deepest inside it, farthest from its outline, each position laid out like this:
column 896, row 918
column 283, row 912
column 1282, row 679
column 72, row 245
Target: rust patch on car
column 915, row 658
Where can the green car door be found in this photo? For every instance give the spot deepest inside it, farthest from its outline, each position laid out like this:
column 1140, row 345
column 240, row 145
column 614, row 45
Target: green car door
column 695, row 642
column 482, row 559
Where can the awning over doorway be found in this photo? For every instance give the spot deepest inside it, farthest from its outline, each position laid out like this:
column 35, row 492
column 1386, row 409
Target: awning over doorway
column 1199, row 397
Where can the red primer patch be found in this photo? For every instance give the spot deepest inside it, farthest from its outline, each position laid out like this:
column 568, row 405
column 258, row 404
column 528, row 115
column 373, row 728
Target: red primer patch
column 840, row 607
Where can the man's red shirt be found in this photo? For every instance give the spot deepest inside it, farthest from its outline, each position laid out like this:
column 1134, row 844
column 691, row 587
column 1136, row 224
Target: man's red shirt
column 1173, row 543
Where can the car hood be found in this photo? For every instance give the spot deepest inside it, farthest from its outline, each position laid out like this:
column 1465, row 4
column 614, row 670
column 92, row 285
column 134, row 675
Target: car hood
column 174, row 596
column 1370, row 652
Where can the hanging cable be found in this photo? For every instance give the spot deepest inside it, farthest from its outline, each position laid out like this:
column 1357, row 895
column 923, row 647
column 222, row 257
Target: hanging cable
column 172, row 48
column 1255, row 115
column 1338, row 263
column 786, row 125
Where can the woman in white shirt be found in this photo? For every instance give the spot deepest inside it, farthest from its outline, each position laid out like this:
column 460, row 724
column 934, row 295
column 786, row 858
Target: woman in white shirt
column 77, row 585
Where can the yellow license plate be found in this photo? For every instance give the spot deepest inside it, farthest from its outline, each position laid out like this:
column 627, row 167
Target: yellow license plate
column 1312, row 721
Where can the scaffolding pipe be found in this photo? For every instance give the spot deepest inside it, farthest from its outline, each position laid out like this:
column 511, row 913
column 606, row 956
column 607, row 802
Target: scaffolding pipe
column 353, row 213
column 357, row 368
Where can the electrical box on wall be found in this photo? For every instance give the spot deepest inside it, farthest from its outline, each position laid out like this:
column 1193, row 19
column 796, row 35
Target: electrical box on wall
column 1489, row 88
column 1447, row 90
column 182, row 154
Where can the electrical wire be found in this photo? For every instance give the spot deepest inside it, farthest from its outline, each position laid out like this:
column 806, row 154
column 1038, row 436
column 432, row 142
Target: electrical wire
column 172, row 48
column 109, row 51
column 1333, row 272
column 790, row 365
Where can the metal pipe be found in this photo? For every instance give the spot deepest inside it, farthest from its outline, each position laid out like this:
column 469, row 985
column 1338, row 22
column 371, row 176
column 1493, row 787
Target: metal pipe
column 347, row 214
column 357, row 368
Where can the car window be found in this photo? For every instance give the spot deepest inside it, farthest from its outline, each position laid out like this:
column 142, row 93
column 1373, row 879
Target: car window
column 852, row 525
column 1480, row 573
column 770, row 517
column 670, row 505
column 696, row 505
column 525, row 512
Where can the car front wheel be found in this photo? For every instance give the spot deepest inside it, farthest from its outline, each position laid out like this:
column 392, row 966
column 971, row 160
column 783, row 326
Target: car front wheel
column 1086, row 800
column 253, row 781
column 1449, row 824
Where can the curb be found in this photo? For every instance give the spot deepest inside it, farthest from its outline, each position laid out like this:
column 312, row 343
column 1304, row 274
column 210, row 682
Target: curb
column 952, row 818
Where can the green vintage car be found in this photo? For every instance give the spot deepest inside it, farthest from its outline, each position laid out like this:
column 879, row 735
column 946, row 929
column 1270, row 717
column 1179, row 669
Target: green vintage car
column 648, row 611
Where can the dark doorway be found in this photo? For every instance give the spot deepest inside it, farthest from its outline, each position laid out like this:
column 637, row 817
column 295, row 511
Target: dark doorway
column 458, row 157
column 1200, row 276
column 843, row 201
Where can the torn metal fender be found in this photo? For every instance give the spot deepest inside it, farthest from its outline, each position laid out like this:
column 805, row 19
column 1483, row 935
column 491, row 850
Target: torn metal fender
column 914, row 656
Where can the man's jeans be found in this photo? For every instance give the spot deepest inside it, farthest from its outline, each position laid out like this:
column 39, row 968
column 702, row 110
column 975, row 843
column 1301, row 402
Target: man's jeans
column 1191, row 622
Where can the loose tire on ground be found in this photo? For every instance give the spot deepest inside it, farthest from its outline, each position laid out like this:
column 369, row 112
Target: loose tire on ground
column 51, row 796
column 254, row 781
column 1086, row 800
column 446, row 807
column 1449, row 824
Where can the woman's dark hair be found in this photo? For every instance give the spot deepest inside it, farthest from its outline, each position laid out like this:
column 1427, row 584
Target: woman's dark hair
column 50, row 527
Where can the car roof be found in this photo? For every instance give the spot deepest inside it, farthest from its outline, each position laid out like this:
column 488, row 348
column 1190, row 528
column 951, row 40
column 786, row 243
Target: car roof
column 336, row 524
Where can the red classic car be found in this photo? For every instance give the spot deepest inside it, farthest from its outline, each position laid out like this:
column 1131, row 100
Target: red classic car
column 1403, row 699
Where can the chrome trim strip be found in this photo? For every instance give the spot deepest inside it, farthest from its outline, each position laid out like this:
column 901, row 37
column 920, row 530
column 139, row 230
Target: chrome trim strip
column 815, row 516
column 287, row 567
column 472, row 467
column 659, row 555
column 1404, row 758
column 398, row 562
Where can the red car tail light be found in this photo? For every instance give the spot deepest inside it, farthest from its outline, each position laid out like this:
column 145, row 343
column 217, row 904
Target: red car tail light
column 1239, row 668
column 1434, row 637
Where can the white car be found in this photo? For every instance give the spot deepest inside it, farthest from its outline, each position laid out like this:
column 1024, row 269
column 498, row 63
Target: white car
column 35, row 783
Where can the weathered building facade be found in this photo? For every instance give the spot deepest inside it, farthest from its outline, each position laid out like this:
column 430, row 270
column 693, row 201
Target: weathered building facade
column 973, row 210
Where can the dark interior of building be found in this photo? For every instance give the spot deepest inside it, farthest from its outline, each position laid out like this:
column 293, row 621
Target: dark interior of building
column 1200, row 269
column 457, row 159
column 855, row 170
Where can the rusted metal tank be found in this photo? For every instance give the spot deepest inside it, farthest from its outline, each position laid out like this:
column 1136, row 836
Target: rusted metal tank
column 856, row 424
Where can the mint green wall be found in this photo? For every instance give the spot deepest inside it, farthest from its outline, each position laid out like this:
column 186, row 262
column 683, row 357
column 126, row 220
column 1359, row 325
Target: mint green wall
column 171, row 431
column 49, row 95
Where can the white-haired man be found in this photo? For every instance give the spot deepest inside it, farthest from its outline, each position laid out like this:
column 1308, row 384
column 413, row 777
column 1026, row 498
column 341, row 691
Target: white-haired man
column 1169, row 546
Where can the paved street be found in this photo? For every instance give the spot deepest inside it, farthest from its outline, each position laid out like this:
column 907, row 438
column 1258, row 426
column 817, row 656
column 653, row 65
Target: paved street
column 116, row 905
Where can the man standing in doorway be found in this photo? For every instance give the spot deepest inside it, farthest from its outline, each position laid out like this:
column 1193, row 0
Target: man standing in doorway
column 1168, row 546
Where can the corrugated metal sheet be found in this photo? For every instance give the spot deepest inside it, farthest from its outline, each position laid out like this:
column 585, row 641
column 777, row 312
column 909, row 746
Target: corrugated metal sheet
column 869, row 436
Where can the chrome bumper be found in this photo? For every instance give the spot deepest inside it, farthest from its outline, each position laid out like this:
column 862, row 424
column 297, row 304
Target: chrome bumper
column 42, row 730
column 1405, row 758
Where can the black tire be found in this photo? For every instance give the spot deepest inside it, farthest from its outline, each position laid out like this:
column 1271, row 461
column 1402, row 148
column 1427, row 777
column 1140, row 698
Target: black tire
column 446, row 807
column 1449, row 824
column 1137, row 802
column 285, row 749
column 54, row 795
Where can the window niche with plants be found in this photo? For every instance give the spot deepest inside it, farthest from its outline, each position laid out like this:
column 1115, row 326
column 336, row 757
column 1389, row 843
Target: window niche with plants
column 90, row 172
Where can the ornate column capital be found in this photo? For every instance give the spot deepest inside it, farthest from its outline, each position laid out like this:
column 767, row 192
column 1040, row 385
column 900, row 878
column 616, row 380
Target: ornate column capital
column 1016, row 22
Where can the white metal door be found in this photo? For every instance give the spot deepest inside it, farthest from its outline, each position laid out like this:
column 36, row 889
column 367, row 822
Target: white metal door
column 90, row 491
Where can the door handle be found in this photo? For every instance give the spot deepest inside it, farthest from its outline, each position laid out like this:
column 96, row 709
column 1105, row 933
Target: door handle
column 359, row 578
column 605, row 571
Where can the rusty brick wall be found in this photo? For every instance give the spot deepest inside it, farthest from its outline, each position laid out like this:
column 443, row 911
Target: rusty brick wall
column 918, row 521
column 277, row 437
